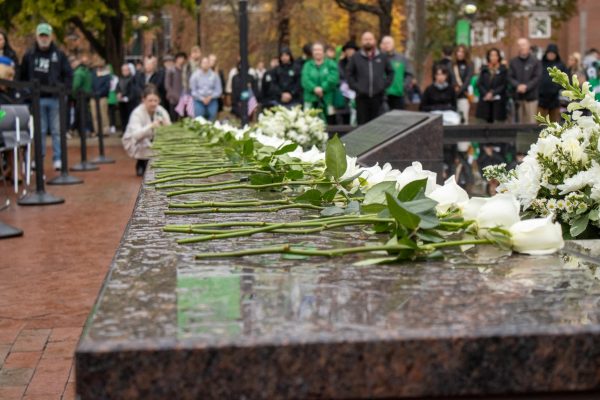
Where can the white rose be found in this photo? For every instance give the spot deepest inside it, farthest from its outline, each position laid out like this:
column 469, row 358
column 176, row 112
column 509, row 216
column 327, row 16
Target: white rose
column 537, row 236
column 501, row 211
column 377, row 174
column 451, row 194
column 471, row 209
column 547, row 146
column 414, row 173
column 572, row 146
column 352, row 168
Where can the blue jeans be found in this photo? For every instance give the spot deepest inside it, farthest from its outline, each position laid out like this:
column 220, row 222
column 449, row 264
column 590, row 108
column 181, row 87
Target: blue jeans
column 206, row 111
column 50, row 121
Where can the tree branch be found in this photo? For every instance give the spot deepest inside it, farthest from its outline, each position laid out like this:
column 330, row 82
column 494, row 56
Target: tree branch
column 94, row 42
column 354, row 6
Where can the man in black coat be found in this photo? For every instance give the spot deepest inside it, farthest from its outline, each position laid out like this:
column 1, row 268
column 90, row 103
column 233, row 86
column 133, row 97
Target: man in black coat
column 152, row 74
column 524, row 74
column 369, row 74
column 50, row 66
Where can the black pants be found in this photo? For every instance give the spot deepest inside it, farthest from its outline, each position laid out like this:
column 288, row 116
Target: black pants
column 125, row 110
column 368, row 108
column 396, row 102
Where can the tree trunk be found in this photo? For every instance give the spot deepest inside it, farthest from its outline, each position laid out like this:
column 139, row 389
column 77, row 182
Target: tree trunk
column 385, row 24
column 113, row 38
column 420, row 50
column 283, row 25
column 352, row 20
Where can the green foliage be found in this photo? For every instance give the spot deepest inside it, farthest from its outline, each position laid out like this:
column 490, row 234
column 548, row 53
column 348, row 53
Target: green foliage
column 335, row 158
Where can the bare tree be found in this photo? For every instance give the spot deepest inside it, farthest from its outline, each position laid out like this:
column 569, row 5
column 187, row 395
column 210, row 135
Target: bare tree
column 381, row 8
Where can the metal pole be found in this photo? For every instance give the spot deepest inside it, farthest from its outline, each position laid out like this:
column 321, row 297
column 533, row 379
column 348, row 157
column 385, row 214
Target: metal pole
column 101, row 159
column 39, row 197
column 64, row 178
column 198, row 21
column 84, row 165
column 243, row 7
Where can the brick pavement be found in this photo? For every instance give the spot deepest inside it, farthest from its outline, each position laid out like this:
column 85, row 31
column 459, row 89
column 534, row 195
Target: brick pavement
column 49, row 278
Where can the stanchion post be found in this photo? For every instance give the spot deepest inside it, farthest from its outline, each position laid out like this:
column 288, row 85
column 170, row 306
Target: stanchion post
column 84, row 165
column 101, row 159
column 39, row 197
column 64, row 178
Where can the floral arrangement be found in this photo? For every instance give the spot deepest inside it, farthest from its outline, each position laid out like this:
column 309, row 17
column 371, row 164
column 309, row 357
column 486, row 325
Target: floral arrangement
column 303, row 127
column 413, row 216
column 560, row 176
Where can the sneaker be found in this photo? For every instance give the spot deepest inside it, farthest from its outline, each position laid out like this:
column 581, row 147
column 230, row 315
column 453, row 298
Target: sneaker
column 57, row 165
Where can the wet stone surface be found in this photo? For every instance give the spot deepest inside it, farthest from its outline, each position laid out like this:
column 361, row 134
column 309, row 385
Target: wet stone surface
column 268, row 327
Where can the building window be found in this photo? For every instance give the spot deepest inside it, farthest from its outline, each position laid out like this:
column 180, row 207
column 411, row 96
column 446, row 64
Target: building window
column 484, row 33
column 540, row 26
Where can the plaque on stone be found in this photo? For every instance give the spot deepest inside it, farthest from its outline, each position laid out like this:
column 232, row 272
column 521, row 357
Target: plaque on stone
column 399, row 137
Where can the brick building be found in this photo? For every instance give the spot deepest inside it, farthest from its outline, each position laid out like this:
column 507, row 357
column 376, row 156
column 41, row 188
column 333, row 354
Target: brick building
column 575, row 35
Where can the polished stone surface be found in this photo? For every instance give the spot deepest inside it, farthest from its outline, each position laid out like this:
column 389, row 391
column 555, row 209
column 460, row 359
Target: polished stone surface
column 266, row 327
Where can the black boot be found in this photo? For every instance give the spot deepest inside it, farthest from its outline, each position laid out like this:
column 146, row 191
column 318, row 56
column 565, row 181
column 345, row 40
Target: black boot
column 140, row 167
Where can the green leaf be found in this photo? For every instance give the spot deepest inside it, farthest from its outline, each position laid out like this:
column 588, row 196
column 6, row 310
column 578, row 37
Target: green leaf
column 333, row 211
column 335, row 158
column 288, row 148
column 429, row 236
column 352, row 208
column 594, row 215
column 420, row 206
column 412, row 190
column 579, row 225
column 312, row 196
column 429, row 220
column 401, row 214
column 372, row 208
column 261, row 179
column 294, row 175
column 248, row 148
column 376, row 195
column 329, row 195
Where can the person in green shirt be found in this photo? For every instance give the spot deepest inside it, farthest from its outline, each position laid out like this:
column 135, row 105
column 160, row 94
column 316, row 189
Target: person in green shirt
column 82, row 82
column 320, row 79
column 403, row 73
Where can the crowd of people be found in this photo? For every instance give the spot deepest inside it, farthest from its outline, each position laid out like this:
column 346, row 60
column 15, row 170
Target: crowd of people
column 351, row 85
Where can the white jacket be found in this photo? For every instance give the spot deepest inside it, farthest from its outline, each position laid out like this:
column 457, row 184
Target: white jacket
column 139, row 133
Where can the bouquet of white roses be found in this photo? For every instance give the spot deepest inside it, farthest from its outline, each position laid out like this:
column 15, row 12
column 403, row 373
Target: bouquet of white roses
column 297, row 125
column 560, row 176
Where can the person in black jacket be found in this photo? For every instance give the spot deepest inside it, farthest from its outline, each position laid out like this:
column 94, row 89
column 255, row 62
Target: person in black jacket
column 524, row 74
column 284, row 85
column 50, row 66
column 237, row 91
column 440, row 95
column 369, row 74
column 462, row 72
column 445, row 62
column 492, row 85
column 549, row 103
column 128, row 94
column 7, row 51
column 151, row 74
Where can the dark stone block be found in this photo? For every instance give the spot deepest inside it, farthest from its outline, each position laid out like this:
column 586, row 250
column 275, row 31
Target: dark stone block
column 399, row 137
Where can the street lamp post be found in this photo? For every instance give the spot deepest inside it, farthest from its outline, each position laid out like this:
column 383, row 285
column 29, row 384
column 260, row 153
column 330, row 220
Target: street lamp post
column 142, row 20
column 243, row 9
column 463, row 25
column 198, row 30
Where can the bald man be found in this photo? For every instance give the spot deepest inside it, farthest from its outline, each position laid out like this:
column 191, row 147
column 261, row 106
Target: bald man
column 525, row 73
column 403, row 73
column 369, row 74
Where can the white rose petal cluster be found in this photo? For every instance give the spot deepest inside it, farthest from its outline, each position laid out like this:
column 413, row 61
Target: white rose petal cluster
column 295, row 124
column 560, row 175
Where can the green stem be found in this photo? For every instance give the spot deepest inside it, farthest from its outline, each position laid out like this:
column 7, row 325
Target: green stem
column 255, row 187
column 242, row 210
column 288, row 249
